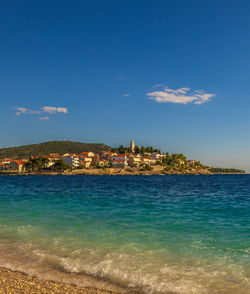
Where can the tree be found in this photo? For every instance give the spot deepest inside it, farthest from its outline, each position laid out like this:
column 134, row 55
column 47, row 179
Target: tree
column 121, row 150
column 137, row 150
column 61, row 165
column 36, row 164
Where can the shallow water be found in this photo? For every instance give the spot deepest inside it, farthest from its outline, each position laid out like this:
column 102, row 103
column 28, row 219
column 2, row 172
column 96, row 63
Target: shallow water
column 153, row 234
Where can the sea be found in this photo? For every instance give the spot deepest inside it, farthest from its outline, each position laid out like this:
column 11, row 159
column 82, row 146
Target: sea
column 130, row 234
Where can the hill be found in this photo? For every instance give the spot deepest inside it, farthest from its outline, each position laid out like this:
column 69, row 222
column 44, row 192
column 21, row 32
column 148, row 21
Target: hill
column 60, row 147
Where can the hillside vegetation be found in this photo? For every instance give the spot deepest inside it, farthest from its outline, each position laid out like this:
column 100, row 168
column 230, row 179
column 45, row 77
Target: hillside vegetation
column 60, row 147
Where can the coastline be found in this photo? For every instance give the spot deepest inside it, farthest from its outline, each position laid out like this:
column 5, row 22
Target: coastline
column 18, row 282
column 118, row 171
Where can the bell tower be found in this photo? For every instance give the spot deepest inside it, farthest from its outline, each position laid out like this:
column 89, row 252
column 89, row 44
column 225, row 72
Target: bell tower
column 132, row 146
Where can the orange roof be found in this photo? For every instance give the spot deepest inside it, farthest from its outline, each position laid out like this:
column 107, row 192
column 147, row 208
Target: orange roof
column 119, row 160
column 19, row 162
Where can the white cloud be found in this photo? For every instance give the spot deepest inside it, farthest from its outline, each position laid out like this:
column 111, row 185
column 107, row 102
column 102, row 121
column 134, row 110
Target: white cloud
column 126, row 95
column 52, row 110
column 24, row 110
column 44, row 118
column 182, row 96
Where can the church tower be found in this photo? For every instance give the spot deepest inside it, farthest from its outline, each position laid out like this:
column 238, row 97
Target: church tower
column 132, row 146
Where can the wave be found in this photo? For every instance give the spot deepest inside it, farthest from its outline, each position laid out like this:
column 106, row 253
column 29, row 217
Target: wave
column 125, row 270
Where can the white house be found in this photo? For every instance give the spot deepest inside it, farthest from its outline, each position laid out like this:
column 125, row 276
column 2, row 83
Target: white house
column 148, row 160
column 134, row 160
column 156, row 155
column 119, row 163
column 71, row 160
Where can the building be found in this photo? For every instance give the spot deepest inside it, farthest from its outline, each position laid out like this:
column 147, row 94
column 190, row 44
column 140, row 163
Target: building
column 3, row 166
column 88, row 154
column 148, row 160
column 134, row 160
column 50, row 160
column 16, row 165
column 132, row 146
column 71, row 160
column 86, row 158
column 156, row 156
column 119, row 163
column 84, row 163
column 120, row 157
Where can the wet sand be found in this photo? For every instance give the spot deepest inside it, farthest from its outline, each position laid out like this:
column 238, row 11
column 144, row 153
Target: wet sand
column 12, row 282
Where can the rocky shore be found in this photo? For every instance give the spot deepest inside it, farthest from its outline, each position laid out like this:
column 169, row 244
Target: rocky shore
column 16, row 283
column 156, row 170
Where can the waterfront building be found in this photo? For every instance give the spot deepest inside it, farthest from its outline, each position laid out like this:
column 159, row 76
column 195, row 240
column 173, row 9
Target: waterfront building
column 71, row 160
column 119, row 163
column 134, row 160
column 84, row 163
column 16, row 165
column 148, row 160
column 3, row 166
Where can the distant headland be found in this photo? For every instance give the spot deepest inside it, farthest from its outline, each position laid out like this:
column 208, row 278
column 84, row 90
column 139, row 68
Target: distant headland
column 67, row 157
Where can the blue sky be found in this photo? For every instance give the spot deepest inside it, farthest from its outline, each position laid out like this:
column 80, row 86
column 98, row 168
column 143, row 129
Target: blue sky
column 173, row 74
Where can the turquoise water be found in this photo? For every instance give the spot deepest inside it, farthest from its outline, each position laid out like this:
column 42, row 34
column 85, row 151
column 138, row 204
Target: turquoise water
column 143, row 234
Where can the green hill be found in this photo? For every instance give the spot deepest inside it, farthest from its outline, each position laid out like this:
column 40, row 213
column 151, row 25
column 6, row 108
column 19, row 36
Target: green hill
column 60, row 147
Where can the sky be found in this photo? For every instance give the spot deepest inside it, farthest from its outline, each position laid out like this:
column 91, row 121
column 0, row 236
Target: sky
column 171, row 74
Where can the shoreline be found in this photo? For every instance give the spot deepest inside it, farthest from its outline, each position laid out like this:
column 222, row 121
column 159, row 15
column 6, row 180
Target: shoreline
column 118, row 173
column 18, row 282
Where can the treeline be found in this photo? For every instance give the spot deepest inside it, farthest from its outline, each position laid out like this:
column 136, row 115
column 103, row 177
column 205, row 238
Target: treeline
column 138, row 150
column 60, row 147
column 227, row 170
column 41, row 163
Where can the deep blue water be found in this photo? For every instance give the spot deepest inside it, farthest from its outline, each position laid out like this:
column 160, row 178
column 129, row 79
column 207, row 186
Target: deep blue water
column 158, row 234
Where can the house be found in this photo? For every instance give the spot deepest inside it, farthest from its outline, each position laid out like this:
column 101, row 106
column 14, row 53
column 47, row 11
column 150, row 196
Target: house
column 156, row 156
column 120, row 157
column 134, row 160
column 6, row 161
column 88, row 154
column 16, row 165
column 71, row 160
column 109, row 155
column 54, row 154
column 106, row 155
column 120, row 160
column 3, row 166
column 181, row 162
column 85, row 163
column 50, row 160
column 119, row 163
column 192, row 161
column 95, row 158
column 148, row 160
column 86, row 158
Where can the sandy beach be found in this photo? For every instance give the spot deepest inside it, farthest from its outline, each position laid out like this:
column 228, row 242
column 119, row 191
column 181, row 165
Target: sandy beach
column 12, row 282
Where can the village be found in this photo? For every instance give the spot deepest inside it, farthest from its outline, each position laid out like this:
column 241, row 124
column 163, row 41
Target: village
column 93, row 160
